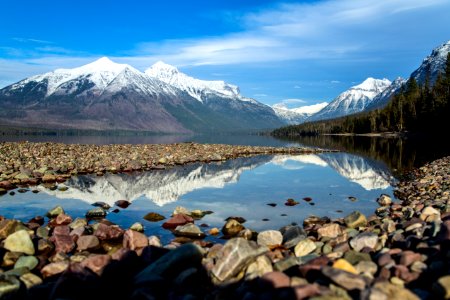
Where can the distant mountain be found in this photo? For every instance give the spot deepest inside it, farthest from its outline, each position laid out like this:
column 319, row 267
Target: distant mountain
column 352, row 101
column 104, row 95
column 382, row 99
column 432, row 65
column 297, row 115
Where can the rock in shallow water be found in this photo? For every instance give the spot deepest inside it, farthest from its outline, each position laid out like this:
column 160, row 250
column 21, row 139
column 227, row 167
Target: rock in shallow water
column 189, row 230
column 232, row 228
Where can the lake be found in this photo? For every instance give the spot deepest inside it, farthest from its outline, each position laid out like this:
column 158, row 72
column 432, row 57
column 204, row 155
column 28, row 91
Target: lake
column 338, row 183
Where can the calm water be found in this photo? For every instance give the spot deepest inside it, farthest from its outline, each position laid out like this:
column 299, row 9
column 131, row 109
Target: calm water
column 240, row 187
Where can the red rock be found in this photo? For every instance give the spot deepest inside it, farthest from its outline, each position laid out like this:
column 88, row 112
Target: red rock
column 385, row 259
column 87, row 242
column 408, row 257
column 121, row 253
column 134, row 240
column 96, row 262
column 63, row 243
column 61, row 230
column 7, row 185
column 314, row 264
column 76, row 233
column 63, row 219
column 123, row 203
column 306, row 291
column 403, row 273
column 177, row 220
column 105, row 232
column 276, row 279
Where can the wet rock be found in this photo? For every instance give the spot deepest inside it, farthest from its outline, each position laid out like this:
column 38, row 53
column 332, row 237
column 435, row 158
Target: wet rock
column 29, row 262
column 258, row 268
column 239, row 219
column 314, row 220
column 272, row 204
column 246, row 234
column 137, row 227
column 87, row 242
column 362, row 240
column 30, row 280
column 355, row 219
column 344, row 279
column 177, row 220
column 189, row 230
column 78, row 222
column 304, row 247
column 330, row 231
column 106, row 232
column 276, row 279
column 269, row 238
column 291, row 202
column 96, row 262
column 101, row 204
column 63, row 219
column 385, row 290
column 54, row 212
column 96, row 213
column 181, row 210
column 170, row 264
column 134, row 240
column 232, row 228
column 292, row 235
column 235, row 255
column 384, row 200
column 154, row 217
column 19, row 241
column 122, row 203
column 214, row 231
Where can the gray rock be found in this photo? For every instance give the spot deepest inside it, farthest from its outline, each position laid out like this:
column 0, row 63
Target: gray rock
column 365, row 239
column 292, row 235
column 344, row 279
column 189, row 230
column 235, row 255
column 269, row 238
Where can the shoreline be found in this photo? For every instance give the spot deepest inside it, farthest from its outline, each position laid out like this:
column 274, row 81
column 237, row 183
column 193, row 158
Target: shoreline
column 399, row 252
column 28, row 164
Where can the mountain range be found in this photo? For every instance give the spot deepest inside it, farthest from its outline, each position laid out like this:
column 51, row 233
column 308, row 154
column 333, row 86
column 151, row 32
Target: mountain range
column 105, row 95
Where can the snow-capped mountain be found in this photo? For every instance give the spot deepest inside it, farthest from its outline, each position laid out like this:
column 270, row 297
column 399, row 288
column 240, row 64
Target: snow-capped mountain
column 199, row 89
column 104, row 95
column 161, row 187
column 297, row 115
column 382, row 99
column 432, row 65
column 354, row 100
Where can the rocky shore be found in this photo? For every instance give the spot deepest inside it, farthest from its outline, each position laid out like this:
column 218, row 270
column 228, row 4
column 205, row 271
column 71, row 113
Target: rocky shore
column 399, row 252
column 25, row 163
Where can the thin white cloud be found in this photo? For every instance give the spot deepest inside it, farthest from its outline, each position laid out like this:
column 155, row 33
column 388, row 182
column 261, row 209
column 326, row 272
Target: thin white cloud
column 260, row 95
column 297, row 87
column 27, row 40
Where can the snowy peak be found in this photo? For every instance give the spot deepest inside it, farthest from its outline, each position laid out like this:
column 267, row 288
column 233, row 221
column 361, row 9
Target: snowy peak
column 354, row 100
column 199, row 89
column 432, row 65
column 296, row 115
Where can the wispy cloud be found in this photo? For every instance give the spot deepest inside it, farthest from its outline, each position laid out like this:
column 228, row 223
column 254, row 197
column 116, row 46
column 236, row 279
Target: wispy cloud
column 28, row 40
column 260, row 95
column 289, row 103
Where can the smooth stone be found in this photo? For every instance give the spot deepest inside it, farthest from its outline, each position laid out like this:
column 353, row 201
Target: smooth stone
column 355, row 219
column 198, row 214
column 96, row 262
column 134, row 240
column 101, row 204
column 269, row 238
column 177, row 220
column 122, row 203
column 234, row 256
column 232, row 228
column 8, row 286
column 189, row 230
column 17, row 271
column 292, row 235
column 63, row 219
column 87, row 242
column 63, row 243
column 384, row 200
column 442, row 287
column 181, row 210
column 42, row 232
column 10, row 258
column 45, row 246
column 258, row 268
column 169, row 264
column 96, row 213
column 418, row 266
column 362, row 240
column 54, row 212
column 137, row 226
column 7, row 227
column 366, row 267
column 29, row 262
column 30, row 280
column 354, row 257
column 276, row 279
column 286, row 263
column 329, row 231
column 408, row 257
column 344, row 265
column 429, row 212
column 344, row 279
column 386, row 290
column 54, row 268
column 304, row 247
column 214, row 231
column 19, row 241
column 246, row 234
column 107, row 232
column 153, row 240
column 78, row 222
column 154, row 217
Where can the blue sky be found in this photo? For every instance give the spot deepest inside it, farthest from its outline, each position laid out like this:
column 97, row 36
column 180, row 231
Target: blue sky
column 296, row 52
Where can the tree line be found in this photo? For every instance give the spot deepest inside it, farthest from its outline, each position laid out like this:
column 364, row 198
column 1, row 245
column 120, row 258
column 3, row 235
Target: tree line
column 416, row 108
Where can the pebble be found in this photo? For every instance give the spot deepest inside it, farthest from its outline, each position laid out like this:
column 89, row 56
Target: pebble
column 232, row 228
column 304, row 247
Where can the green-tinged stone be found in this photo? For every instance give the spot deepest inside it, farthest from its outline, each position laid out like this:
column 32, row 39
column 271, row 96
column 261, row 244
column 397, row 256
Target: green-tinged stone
column 355, row 219
column 29, row 262
column 19, row 241
column 8, row 285
column 30, row 280
column 54, row 212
